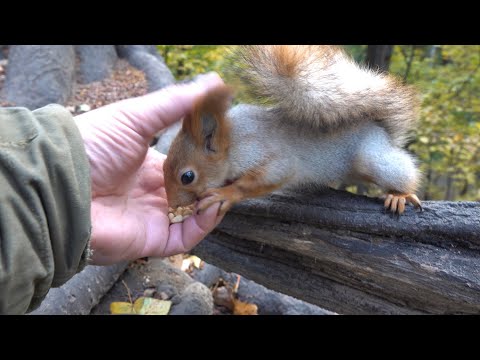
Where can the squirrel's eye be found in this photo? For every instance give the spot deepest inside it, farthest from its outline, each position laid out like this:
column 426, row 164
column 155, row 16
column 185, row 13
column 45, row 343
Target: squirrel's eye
column 188, row 177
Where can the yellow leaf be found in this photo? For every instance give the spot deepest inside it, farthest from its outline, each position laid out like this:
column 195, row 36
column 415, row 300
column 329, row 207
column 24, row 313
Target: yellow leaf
column 151, row 306
column 423, row 139
column 121, row 308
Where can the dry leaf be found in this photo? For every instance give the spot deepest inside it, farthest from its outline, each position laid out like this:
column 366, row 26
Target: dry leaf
column 121, row 308
column 244, row 308
column 142, row 306
column 151, row 306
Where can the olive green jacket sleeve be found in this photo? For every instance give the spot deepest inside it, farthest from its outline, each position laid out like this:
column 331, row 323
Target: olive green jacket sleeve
column 45, row 201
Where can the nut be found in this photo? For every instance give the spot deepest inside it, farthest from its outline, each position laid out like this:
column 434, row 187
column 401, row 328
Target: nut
column 179, row 214
column 177, row 219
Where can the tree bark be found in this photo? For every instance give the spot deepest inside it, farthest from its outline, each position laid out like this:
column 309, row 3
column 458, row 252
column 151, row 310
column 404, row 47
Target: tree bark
column 342, row 252
column 96, row 62
column 378, row 56
column 38, row 75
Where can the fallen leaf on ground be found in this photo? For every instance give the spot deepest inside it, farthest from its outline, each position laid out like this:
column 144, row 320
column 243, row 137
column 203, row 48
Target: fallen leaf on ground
column 121, row 308
column 142, row 306
column 151, row 306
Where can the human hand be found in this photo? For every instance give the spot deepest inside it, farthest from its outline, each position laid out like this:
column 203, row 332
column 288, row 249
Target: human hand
column 129, row 203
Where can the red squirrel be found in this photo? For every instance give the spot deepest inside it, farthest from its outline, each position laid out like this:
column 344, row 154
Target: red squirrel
column 329, row 121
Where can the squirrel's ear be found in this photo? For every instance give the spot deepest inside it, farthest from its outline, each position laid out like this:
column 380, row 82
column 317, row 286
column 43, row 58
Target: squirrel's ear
column 207, row 124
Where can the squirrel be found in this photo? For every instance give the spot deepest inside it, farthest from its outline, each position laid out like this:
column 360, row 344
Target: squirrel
column 329, row 120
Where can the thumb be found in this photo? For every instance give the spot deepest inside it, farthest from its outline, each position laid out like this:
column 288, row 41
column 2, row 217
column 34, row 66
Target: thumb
column 149, row 114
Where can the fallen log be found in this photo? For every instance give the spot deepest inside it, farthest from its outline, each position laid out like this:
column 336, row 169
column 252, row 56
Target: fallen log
column 344, row 253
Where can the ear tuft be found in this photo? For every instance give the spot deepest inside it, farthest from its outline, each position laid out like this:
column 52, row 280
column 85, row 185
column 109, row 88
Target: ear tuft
column 207, row 124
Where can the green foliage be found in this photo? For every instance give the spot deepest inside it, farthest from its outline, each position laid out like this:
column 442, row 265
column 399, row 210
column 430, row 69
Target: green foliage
column 447, row 139
column 186, row 61
column 358, row 52
column 448, row 136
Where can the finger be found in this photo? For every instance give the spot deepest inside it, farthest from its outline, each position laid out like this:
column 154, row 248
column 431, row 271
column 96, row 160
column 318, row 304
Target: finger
column 155, row 111
column 184, row 236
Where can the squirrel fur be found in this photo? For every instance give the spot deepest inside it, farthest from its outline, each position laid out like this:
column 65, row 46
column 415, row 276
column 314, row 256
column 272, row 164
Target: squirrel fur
column 328, row 121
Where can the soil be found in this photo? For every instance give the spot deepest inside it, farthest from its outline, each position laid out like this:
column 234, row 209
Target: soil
column 124, row 82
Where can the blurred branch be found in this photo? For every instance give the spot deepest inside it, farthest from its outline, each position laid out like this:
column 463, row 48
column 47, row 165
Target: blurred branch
column 409, row 62
column 378, row 56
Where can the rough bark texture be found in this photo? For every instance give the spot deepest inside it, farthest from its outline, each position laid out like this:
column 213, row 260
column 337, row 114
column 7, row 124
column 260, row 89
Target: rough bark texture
column 81, row 293
column 96, row 62
column 269, row 302
column 38, row 75
column 342, row 252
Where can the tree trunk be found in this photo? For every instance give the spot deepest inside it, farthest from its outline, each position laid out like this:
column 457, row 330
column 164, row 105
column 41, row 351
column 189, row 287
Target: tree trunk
column 378, row 56
column 96, row 62
column 342, row 252
column 449, row 193
column 38, row 75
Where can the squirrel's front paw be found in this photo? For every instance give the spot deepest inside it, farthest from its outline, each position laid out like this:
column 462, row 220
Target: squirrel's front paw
column 227, row 196
column 396, row 202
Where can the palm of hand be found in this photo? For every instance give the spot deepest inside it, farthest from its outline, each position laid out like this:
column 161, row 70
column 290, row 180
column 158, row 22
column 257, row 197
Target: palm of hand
column 131, row 210
column 129, row 203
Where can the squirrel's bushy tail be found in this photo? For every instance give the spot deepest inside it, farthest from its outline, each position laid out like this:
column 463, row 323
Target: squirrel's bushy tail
column 323, row 87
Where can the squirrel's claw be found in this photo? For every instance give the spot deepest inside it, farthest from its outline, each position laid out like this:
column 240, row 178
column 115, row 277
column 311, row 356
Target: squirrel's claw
column 396, row 202
column 212, row 196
